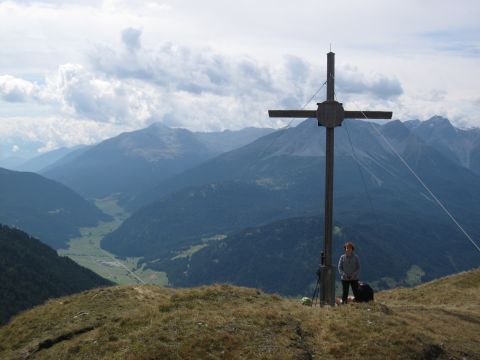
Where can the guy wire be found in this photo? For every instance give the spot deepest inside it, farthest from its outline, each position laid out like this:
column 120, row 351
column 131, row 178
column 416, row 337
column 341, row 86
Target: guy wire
column 354, row 155
column 359, row 165
column 439, row 203
column 291, row 120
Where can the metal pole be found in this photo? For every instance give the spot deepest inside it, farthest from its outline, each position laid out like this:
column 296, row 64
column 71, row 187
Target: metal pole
column 327, row 296
column 330, row 76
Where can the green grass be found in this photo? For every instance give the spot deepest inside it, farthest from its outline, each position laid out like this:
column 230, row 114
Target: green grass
column 189, row 252
column 414, row 275
column 194, row 248
column 227, row 322
column 86, row 251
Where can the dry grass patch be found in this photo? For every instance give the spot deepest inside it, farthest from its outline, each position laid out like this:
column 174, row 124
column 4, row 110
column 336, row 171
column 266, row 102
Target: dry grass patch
column 227, row 322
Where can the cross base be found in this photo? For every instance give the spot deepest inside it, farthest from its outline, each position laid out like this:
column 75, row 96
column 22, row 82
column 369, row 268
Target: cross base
column 327, row 285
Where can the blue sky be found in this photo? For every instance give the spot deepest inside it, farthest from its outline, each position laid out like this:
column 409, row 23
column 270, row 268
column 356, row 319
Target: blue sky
column 74, row 72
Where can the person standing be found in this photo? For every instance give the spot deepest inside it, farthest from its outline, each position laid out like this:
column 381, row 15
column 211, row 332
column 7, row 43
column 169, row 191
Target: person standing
column 349, row 268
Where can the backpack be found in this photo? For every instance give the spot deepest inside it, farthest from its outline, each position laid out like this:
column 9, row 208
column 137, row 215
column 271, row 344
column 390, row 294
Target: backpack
column 364, row 293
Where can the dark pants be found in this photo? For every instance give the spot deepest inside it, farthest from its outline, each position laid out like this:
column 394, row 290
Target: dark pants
column 346, row 284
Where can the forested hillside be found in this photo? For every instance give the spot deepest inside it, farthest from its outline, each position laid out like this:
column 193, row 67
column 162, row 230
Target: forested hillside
column 282, row 257
column 32, row 272
column 44, row 208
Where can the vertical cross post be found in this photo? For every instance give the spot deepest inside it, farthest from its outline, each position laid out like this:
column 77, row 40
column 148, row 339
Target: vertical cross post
column 327, row 270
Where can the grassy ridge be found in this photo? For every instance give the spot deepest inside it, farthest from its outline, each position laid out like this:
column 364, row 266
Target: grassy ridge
column 223, row 321
column 456, row 290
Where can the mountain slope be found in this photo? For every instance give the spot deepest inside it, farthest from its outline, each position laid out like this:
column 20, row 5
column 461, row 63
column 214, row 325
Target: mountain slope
column 130, row 161
column 228, row 140
column 67, row 158
column 44, row 208
column 133, row 162
column 295, row 157
column 31, row 273
column 283, row 256
column 452, row 290
column 185, row 217
column 281, row 176
column 462, row 146
column 222, row 321
column 44, row 160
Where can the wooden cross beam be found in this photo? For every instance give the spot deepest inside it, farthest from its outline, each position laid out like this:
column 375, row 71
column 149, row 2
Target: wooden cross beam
column 330, row 114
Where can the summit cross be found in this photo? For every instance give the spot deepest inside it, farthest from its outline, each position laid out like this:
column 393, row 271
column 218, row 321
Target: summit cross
column 330, row 114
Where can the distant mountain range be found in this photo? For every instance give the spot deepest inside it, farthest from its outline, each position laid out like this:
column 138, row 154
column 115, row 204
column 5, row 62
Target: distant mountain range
column 43, row 161
column 46, row 209
column 281, row 176
column 197, row 198
column 32, row 272
column 133, row 162
column 459, row 145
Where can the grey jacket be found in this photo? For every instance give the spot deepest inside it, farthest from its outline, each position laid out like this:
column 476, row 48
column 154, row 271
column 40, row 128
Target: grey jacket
column 349, row 267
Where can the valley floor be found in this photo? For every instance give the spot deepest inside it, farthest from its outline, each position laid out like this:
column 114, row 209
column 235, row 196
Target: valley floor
column 86, row 251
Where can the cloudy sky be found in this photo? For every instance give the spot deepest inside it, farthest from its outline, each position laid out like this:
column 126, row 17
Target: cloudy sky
column 75, row 72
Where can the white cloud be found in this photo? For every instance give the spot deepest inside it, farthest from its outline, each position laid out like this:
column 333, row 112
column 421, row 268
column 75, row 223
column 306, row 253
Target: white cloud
column 214, row 64
column 80, row 94
column 196, row 88
column 350, row 81
column 95, row 97
column 55, row 131
column 16, row 90
column 221, row 91
column 179, row 68
column 131, row 39
column 57, row 3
